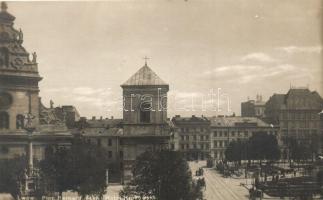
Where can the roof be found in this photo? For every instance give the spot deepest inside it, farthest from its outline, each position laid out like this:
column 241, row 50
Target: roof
column 144, row 76
column 190, row 120
column 103, row 123
column 101, row 132
column 279, row 99
column 236, row 121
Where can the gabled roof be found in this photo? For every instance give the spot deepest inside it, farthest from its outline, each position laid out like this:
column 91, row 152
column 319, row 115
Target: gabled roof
column 144, row 76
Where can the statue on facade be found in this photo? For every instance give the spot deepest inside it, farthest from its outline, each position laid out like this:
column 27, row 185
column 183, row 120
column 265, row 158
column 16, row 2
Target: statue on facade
column 34, row 57
column 20, row 36
column 51, row 102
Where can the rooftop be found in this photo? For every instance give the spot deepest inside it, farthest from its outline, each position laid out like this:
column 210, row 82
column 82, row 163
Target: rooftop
column 236, row 121
column 144, row 76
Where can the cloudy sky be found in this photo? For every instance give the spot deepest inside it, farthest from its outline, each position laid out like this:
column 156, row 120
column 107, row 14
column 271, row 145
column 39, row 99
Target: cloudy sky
column 87, row 50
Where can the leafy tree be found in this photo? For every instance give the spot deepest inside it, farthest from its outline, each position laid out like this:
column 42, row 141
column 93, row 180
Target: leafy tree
column 236, row 151
column 12, row 174
column 263, row 146
column 298, row 150
column 162, row 175
column 80, row 168
column 258, row 147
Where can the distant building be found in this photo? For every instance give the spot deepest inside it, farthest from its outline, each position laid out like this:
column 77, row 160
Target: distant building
column 253, row 108
column 191, row 136
column 223, row 130
column 297, row 114
column 106, row 133
column 68, row 114
column 273, row 108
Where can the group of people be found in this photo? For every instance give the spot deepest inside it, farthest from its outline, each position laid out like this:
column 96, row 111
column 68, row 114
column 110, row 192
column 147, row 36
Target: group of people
column 200, row 181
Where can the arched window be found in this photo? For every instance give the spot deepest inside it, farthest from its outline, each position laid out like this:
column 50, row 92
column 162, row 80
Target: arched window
column 20, row 121
column 4, row 120
column 145, row 113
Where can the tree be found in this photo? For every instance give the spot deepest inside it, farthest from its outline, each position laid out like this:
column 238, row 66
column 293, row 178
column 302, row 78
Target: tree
column 298, row 150
column 263, row 146
column 162, row 175
column 80, row 168
column 12, row 174
column 236, row 151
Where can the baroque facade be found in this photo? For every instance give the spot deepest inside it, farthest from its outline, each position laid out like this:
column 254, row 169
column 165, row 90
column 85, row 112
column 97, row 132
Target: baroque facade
column 20, row 103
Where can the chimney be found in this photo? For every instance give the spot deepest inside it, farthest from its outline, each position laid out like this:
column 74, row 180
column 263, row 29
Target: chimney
column 101, row 118
column 111, row 117
column 93, row 118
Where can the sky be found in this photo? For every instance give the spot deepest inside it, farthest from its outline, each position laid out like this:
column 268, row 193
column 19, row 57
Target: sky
column 235, row 48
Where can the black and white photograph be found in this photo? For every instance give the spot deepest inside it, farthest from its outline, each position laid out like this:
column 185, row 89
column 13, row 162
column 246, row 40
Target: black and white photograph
column 161, row 100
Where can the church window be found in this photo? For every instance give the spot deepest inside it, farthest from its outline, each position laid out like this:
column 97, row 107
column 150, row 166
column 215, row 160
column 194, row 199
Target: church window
column 4, row 120
column 110, row 142
column 145, row 113
column 20, row 121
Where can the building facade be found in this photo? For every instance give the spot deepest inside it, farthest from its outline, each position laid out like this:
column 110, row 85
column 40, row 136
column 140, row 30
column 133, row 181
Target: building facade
column 191, row 136
column 298, row 115
column 223, row 130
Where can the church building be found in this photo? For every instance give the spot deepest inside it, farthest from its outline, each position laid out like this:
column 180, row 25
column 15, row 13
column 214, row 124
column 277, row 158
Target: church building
column 145, row 126
column 19, row 98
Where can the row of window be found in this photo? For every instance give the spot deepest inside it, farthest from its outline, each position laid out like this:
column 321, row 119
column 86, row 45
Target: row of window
column 233, row 134
column 195, row 146
column 99, row 142
column 201, row 129
column 300, row 124
column 299, row 115
column 5, row 121
column 202, row 137
column 220, row 144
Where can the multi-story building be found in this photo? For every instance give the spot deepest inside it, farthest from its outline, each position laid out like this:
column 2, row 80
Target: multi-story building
column 192, row 136
column 298, row 115
column 253, row 108
column 223, row 130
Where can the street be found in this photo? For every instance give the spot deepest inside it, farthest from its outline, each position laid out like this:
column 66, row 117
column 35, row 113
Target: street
column 218, row 187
